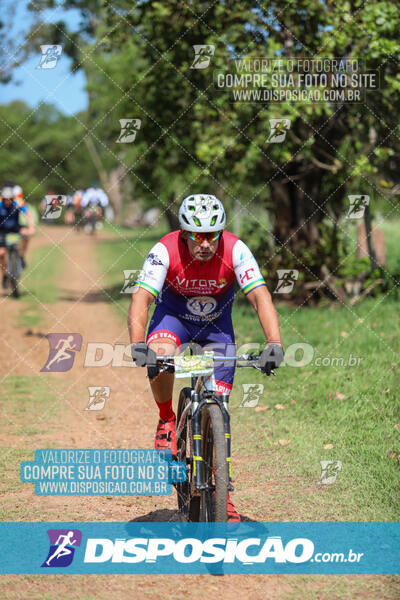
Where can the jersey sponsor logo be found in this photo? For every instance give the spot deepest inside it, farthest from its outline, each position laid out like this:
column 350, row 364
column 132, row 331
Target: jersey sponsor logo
column 169, row 335
column 201, row 305
column 244, row 258
column 201, row 283
column 247, row 276
column 153, row 259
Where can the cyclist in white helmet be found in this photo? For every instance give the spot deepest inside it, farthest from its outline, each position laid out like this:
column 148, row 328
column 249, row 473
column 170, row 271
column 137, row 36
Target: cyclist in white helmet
column 11, row 213
column 94, row 196
column 191, row 273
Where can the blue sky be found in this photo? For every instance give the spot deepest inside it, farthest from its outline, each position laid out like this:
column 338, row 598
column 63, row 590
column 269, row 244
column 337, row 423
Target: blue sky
column 56, row 86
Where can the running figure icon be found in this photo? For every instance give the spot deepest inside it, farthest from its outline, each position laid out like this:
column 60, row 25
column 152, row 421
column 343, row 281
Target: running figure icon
column 63, row 346
column 63, row 544
column 62, row 351
column 62, row 549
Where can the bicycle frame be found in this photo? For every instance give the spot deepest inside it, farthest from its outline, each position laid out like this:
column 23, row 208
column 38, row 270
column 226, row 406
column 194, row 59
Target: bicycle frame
column 203, row 392
column 10, row 242
column 195, row 406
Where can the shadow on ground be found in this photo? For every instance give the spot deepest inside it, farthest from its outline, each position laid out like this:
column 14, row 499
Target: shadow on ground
column 165, row 515
column 106, row 294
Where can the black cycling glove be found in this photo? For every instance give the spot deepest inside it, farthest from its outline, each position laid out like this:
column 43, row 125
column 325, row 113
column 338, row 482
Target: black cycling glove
column 142, row 355
column 270, row 358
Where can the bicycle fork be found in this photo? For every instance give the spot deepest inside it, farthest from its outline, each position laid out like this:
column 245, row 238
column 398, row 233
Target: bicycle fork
column 198, row 464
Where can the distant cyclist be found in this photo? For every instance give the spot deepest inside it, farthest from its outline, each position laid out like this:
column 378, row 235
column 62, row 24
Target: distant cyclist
column 94, row 202
column 94, row 196
column 194, row 270
column 10, row 213
column 19, row 199
column 77, row 201
column 69, row 217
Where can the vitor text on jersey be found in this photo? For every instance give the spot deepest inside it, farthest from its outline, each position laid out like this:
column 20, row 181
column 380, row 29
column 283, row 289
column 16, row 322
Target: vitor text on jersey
column 200, row 283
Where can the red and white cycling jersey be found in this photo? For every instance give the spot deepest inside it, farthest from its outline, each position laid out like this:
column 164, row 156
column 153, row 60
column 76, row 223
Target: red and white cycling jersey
column 194, row 290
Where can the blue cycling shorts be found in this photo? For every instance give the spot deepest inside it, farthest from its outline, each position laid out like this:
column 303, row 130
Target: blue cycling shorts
column 216, row 335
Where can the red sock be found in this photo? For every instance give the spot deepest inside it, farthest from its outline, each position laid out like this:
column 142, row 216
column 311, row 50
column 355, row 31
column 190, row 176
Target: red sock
column 166, row 412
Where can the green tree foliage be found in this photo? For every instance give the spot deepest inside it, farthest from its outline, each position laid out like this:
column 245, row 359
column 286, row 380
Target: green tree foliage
column 198, row 139
column 137, row 58
column 42, row 150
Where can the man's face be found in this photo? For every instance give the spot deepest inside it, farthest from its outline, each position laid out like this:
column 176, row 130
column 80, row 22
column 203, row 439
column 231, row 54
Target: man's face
column 203, row 250
column 7, row 202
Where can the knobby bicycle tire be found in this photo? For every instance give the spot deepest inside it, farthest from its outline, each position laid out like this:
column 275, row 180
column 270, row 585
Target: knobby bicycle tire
column 213, row 503
column 189, row 505
column 14, row 270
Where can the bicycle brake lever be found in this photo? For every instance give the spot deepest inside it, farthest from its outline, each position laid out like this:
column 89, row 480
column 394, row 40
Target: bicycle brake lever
column 259, row 369
column 167, row 368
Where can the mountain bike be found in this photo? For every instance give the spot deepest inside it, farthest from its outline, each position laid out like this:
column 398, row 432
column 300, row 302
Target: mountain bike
column 92, row 218
column 14, row 265
column 203, row 435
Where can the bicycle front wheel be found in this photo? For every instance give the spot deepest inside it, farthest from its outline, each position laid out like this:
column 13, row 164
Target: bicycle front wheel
column 14, row 271
column 213, row 502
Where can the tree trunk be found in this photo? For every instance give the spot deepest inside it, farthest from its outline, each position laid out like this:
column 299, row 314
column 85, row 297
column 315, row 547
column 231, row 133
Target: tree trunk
column 113, row 188
column 296, row 210
column 111, row 182
column 237, row 217
column 368, row 233
column 172, row 218
column 171, row 213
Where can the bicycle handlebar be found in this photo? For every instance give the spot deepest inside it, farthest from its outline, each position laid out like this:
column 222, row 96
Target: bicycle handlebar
column 250, row 360
column 243, row 357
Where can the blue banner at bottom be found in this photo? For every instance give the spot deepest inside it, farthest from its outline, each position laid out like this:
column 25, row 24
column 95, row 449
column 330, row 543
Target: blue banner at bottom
column 213, row 548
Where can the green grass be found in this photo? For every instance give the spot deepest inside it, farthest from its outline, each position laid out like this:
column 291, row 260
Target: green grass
column 360, row 423
column 335, row 412
column 28, row 404
column 38, row 285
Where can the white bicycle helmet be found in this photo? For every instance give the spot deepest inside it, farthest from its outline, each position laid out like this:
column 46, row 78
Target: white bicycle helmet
column 7, row 192
column 202, row 212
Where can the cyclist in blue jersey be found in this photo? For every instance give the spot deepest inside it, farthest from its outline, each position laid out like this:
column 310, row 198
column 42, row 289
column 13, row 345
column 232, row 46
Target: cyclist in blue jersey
column 10, row 212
